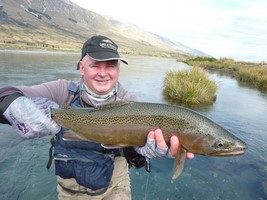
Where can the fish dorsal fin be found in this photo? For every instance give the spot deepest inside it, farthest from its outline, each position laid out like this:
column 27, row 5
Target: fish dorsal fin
column 111, row 105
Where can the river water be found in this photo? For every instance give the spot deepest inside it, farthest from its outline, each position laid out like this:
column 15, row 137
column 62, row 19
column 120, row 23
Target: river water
column 240, row 109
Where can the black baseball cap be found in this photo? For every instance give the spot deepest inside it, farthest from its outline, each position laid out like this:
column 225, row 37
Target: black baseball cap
column 101, row 48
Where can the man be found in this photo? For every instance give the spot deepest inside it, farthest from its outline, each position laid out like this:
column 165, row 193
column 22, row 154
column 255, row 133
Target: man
column 85, row 169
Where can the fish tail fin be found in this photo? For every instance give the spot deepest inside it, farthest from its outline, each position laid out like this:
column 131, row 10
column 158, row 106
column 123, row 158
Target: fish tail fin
column 178, row 165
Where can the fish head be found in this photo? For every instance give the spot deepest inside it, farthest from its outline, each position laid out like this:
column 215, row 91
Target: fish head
column 226, row 147
column 213, row 142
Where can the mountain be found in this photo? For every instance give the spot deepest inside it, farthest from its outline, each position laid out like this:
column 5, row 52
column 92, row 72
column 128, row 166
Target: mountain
column 196, row 52
column 63, row 25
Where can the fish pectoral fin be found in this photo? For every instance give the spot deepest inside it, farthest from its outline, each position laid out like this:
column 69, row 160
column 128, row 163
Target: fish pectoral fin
column 111, row 146
column 72, row 136
column 65, row 106
column 178, row 165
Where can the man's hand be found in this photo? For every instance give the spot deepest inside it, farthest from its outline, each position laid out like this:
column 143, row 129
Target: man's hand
column 31, row 116
column 157, row 147
column 175, row 145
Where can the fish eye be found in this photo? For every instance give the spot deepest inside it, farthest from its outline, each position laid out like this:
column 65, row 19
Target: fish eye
column 218, row 144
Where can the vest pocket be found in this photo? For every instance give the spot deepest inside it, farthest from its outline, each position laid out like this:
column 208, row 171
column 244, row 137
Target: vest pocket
column 90, row 169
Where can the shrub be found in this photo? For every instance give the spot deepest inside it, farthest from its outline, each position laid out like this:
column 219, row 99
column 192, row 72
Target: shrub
column 189, row 88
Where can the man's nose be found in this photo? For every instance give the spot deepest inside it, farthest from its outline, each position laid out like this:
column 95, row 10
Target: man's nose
column 102, row 71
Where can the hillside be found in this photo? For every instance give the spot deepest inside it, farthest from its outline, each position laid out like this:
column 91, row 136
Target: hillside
column 63, row 25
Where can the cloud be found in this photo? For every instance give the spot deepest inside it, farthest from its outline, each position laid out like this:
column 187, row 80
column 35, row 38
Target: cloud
column 220, row 28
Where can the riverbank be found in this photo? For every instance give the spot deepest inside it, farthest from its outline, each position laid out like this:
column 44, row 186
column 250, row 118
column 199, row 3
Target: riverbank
column 253, row 74
column 37, row 51
column 77, row 46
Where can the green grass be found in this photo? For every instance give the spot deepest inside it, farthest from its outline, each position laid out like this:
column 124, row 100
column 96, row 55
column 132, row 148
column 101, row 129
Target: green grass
column 253, row 74
column 190, row 88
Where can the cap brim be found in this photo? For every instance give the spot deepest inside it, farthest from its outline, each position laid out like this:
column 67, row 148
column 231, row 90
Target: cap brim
column 100, row 56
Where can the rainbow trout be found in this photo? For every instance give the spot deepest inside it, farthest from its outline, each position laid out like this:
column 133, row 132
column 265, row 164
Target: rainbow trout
column 126, row 124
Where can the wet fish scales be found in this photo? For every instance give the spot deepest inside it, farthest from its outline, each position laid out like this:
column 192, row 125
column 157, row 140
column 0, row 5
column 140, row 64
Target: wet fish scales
column 128, row 123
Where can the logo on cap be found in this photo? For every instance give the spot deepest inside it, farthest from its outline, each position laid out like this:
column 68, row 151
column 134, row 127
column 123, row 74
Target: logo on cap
column 107, row 44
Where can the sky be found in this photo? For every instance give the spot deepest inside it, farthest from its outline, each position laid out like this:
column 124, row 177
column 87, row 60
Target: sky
column 221, row 28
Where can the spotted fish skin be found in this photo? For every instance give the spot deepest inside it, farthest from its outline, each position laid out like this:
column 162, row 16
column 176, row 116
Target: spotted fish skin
column 125, row 123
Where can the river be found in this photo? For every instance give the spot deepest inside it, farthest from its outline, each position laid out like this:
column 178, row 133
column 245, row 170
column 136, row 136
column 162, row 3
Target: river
column 239, row 108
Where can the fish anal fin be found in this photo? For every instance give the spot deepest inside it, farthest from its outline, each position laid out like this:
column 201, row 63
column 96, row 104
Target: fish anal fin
column 178, row 165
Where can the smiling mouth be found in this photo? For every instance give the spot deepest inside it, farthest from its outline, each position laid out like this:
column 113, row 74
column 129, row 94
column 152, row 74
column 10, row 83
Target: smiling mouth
column 102, row 81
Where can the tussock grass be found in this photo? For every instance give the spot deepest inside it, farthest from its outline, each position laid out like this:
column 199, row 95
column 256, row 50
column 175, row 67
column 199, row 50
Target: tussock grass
column 253, row 74
column 190, row 88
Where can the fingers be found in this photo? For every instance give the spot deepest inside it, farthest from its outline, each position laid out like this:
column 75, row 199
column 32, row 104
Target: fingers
column 174, row 141
column 151, row 135
column 156, row 145
column 189, row 155
column 157, row 136
column 174, row 145
column 160, row 141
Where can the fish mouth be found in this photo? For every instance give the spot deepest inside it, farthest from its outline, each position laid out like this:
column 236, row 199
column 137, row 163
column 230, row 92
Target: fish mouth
column 229, row 153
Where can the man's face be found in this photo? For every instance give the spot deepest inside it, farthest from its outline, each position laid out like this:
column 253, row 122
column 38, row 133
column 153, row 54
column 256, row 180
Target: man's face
column 100, row 76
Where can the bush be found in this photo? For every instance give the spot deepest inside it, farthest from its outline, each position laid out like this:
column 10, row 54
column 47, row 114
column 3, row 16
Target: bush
column 189, row 88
